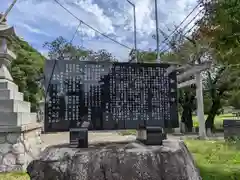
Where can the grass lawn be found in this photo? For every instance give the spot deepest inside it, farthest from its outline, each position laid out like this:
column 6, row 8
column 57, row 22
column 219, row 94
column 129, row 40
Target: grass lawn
column 216, row 160
column 218, row 120
column 218, row 123
column 14, row 176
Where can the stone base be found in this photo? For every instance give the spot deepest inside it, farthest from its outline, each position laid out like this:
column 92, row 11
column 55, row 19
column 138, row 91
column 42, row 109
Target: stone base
column 115, row 161
column 151, row 135
column 19, row 146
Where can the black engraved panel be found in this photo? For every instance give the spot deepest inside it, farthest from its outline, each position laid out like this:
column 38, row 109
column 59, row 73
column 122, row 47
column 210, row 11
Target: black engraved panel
column 142, row 94
column 109, row 96
column 77, row 93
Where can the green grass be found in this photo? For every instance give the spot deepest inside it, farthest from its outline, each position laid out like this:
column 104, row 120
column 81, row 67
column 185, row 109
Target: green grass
column 14, row 176
column 216, row 160
column 218, row 123
column 218, row 120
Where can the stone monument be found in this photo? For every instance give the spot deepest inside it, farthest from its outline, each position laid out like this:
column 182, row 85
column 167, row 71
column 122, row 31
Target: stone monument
column 124, row 160
column 19, row 131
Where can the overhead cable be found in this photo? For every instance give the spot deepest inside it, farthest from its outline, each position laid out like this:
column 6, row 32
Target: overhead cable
column 89, row 26
column 185, row 27
column 172, row 33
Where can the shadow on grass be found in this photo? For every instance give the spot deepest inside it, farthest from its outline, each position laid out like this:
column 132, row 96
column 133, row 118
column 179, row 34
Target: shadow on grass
column 219, row 172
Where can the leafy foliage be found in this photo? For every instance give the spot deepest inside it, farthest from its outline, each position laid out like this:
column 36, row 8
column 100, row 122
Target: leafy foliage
column 220, row 25
column 26, row 69
column 234, row 100
column 216, row 160
column 143, row 56
column 60, row 48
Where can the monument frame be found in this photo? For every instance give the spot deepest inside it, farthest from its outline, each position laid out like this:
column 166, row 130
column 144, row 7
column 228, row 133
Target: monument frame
column 117, row 85
column 106, row 85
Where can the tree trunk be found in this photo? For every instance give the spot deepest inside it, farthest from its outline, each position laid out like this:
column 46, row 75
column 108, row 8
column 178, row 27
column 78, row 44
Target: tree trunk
column 209, row 124
column 187, row 118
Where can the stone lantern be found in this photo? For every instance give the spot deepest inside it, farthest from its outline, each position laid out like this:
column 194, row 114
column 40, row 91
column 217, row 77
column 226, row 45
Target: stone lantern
column 6, row 56
column 20, row 140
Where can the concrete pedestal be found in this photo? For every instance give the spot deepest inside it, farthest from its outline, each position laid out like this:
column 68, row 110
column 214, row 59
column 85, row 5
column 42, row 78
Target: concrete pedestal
column 20, row 141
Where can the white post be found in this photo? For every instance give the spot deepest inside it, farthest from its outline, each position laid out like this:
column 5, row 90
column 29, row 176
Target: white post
column 200, row 109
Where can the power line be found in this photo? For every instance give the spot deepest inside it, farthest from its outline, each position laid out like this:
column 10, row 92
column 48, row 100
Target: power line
column 104, row 35
column 180, row 24
column 55, row 61
column 186, row 27
column 74, row 35
column 183, row 35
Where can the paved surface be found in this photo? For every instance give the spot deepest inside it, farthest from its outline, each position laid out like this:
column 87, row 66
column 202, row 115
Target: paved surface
column 63, row 137
column 105, row 136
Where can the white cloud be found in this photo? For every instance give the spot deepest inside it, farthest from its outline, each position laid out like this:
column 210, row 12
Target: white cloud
column 39, row 19
column 32, row 29
column 145, row 24
column 50, row 11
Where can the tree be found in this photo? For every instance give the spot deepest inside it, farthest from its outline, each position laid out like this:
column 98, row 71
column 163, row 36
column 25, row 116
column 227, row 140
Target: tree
column 234, row 99
column 26, row 69
column 217, row 81
column 221, row 24
column 186, row 50
column 102, row 55
column 60, row 48
column 143, row 56
column 186, row 98
column 222, row 80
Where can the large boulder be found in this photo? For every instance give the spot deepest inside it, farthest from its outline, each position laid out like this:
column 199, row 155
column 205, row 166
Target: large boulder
column 116, row 161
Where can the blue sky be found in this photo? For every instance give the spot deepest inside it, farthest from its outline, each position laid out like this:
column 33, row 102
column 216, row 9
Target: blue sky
column 38, row 21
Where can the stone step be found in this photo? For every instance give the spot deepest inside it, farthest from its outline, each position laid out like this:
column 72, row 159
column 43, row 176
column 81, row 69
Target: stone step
column 8, row 94
column 5, row 84
column 12, row 105
column 17, row 118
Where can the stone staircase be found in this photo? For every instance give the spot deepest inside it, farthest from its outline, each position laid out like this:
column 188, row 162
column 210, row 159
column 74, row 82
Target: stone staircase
column 14, row 111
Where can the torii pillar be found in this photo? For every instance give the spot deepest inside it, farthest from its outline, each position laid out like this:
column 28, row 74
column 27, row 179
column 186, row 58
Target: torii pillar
column 196, row 71
column 200, row 109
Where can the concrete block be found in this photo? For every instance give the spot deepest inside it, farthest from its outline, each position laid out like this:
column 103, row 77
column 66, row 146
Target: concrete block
column 5, row 84
column 17, row 118
column 8, row 94
column 14, row 106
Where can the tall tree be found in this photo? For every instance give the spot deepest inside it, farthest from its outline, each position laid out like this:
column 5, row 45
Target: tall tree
column 60, row 48
column 26, row 69
column 218, row 80
column 221, row 24
column 185, row 50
